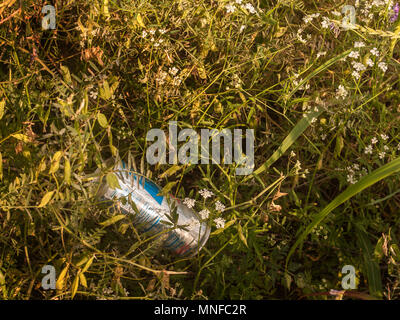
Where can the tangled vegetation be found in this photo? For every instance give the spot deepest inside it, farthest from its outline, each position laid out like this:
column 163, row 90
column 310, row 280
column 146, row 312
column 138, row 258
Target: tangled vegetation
column 324, row 104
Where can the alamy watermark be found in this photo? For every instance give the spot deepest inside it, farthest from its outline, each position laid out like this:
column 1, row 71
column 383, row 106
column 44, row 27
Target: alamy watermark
column 49, row 280
column 189, row 151
column 349, row 19
column 49, row 20
column 349, row 278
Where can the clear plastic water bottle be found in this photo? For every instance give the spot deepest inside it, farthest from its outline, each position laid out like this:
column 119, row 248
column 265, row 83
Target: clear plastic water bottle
column 181, row 229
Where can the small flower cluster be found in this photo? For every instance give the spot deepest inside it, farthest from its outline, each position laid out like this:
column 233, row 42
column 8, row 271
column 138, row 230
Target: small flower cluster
column 382, row 153
column 248, row 7
column 205, row 213
column 359, row 67
column 354, row 173
column 296, row 83
column 152, row 35
column 171, row 77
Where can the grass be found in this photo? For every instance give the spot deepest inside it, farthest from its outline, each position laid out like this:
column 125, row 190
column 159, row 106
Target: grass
column 324, row 192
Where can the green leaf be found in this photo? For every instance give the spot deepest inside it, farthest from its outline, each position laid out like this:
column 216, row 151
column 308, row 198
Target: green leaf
column 112, row 181
column 105, row 92
column 339, row 146
column 168, row 187
column 66, row 74
column 45, row 200
column 378, row 252
column 241, row 235
column 101, row 118
column 171, row 171
column 371, row 267
column 367, row 181
column 112, row 220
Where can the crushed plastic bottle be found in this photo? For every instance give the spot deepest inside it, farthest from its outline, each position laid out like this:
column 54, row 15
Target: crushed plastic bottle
column 153, row 212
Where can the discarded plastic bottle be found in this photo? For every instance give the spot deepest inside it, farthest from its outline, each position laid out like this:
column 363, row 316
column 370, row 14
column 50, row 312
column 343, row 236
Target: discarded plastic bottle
column 154, row 212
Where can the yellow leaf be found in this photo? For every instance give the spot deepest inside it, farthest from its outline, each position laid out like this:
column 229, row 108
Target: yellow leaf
column 88, row 264
column 1, row 167
column 82, row 261
column 140, row 20
column 202, row 73
column 61, row 277
column 280, row 32
column 112, row 220
column 82, row 279
column 171, row 171
column 3, row 285
column 42, row 165
column 75, row 286
column 106, row 12
column 47, row 197
column 67, row 171
column 2, row 104
column 55, row 162
column 21, row 137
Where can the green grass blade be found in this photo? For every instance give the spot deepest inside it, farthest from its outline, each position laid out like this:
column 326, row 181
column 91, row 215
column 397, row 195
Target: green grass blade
column 321, row 68
column 370, row 264
column 365, row 182
column 296, row 132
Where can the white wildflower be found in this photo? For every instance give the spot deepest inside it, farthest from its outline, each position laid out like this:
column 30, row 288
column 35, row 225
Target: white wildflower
column 219, row 206
column 230, row 8
column 206, row 193
column 369, row 62
column 325, row 23
column 368, row 149
column 204, row 214
column 93, row 94
column 220, row 223
column 250, row 8
column 359, row 44
column 341, row 92
column 356, row 75
column 384, row 136
column 173, row 71
column 382, row 66
column 189, row 202
column 375, row 52
column 354, row 54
